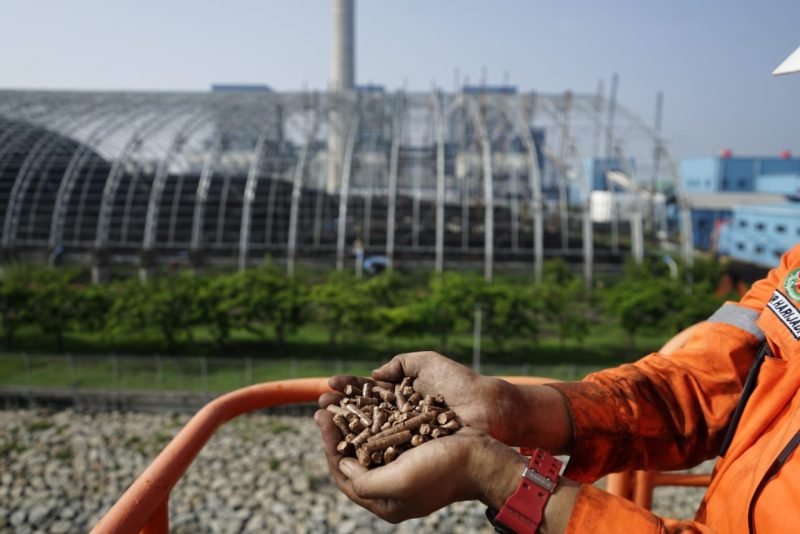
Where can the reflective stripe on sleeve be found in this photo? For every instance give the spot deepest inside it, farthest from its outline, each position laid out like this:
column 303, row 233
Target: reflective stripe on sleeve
column 740, row 317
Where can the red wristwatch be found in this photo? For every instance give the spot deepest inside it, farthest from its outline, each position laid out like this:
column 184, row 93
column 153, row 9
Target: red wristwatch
column 524, row 510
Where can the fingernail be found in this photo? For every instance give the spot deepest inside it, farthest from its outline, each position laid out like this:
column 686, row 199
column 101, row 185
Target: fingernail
column 345, row 468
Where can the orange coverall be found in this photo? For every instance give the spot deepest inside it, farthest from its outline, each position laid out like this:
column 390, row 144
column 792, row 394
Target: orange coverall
column 672, row 412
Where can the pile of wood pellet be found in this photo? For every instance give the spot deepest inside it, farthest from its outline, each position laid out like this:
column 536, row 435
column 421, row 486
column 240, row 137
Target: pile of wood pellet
column 379, row 424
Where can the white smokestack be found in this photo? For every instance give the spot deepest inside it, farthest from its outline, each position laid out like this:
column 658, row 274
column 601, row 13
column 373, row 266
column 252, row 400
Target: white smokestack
column 343, row 79
column 344, row 51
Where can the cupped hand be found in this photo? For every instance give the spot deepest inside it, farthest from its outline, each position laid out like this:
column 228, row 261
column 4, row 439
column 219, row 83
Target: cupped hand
column 532, row 416
column 467, row 465
column 482, row 402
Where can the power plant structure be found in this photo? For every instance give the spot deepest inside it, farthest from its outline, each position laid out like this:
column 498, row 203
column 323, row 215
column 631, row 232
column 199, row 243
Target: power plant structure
column 483, row 175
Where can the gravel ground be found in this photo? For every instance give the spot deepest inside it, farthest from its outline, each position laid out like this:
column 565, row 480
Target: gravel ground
column 60, row 472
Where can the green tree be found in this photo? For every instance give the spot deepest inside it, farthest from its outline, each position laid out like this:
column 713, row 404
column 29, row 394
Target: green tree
column 445, row 307
column 93, row 306
column 342, row 303
column 15, row 302
column 387, row 289
column 289, row 309
column 510, row 310
column 55, row 302
column 412, row 318
column 647, row 298
column 167, row 305
column 565, row 306
column 558, row 271
column 564, row 302
column 454, row 296
column 642, row 300
column 695, row 306
column 266, row 298
column 128, row 312
column 707, row 271
column 218, row 305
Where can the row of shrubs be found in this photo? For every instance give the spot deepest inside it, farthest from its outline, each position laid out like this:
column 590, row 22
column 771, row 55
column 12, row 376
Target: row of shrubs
column 271, row 305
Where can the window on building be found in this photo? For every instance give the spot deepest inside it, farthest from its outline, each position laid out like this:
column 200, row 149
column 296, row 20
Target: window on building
column 758, row 249
column 739, row 246
column 781, row 229
column 742, row 223
column 742, row 183
column 760, row 226
column 724, row 183
column 777, row 253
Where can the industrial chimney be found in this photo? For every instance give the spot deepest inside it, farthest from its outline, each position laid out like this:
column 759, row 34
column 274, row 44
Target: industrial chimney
column 342, row 80
column 344, row 64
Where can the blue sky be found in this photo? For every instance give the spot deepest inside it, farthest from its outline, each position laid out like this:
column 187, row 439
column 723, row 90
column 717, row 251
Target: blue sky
column 712, row 59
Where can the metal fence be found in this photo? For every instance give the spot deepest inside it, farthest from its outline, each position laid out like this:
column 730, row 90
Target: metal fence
column 204, row 374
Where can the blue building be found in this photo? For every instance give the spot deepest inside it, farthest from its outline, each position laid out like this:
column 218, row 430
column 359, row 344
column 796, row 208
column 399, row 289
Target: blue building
column 712, row 211
column 761, row 234
column 721, row 187
column 740, row 174
column 783, row 184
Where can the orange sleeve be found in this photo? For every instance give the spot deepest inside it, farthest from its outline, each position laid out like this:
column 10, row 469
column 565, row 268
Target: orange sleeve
column 599, row 512
column 667, row 412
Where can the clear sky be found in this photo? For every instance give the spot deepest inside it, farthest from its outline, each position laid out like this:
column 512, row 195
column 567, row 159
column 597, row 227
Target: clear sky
column 712, row 59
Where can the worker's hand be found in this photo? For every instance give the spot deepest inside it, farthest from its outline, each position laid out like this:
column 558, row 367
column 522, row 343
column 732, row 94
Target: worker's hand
column 480, row 401
column 467, row 465
column 531, row 416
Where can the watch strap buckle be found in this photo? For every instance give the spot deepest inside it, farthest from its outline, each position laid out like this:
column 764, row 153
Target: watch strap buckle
column 540, row 480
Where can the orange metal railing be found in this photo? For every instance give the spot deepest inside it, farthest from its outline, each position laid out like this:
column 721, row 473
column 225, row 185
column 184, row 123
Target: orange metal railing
column 144, row 506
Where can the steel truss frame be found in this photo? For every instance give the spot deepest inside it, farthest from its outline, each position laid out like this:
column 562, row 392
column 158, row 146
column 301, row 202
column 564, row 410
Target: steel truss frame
column 422, row 135
column 162, row 172
column 297, row 188
column 112, row 122
column 40, row 150
column 164, row 114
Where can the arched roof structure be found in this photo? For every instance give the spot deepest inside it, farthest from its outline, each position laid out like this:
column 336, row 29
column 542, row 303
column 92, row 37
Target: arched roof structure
column 476, row 176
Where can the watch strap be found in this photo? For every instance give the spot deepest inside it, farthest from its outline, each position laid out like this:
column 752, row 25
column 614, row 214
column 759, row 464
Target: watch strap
column 491, row 515
column 523, row 512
